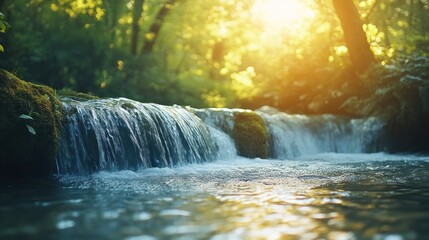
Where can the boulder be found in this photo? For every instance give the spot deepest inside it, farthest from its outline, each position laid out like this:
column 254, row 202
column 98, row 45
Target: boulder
column 29, row 119
column 250, row 135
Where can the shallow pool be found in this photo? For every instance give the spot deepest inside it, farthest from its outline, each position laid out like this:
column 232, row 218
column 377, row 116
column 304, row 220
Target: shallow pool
column 327, row 196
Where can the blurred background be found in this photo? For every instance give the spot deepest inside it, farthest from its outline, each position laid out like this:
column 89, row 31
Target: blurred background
column 291, row 55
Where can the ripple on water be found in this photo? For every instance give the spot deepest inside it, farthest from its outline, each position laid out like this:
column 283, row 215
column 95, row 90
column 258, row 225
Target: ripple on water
column 258, row 199
column 141, row 237
column 174, row 212
column 64, row 224
column 112, row 214
column 142, row 216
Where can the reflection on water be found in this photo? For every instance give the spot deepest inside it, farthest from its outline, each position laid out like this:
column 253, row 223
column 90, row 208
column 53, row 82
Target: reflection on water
column 304, row 199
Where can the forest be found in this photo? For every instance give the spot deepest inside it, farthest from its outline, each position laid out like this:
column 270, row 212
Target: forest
column 220, row 119
column 297, row 56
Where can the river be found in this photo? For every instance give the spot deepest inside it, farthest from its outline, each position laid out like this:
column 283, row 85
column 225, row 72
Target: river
column 134, row 171
column 325, row 196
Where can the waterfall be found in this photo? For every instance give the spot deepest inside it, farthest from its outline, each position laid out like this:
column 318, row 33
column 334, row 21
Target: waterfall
column 225, row 144
column 121, row 134
column 295, row 135
column 117, row 134
column 298, row 135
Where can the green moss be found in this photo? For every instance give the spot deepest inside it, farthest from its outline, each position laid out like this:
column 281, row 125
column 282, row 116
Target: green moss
column 128, row 106
column 251, row 135
column 75, row 95
column 23, row 153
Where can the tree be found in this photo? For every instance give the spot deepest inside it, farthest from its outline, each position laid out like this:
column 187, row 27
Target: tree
column 156, row 26
column 137, row 14
column 361, row 55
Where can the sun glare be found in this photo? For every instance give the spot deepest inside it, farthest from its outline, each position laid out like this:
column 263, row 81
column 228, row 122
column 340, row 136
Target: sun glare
column 282, row 15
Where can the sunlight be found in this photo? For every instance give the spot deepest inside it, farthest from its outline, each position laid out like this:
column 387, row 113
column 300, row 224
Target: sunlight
column 282, row 15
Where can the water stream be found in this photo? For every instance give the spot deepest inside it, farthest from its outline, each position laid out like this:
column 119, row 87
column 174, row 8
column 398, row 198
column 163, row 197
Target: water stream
column 121, row 134
column 134, row 171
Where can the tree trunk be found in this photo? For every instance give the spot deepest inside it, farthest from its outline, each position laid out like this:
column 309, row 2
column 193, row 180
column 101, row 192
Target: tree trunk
column 424, row 26
column 137, row 13
column 156, row 26
column 361, row 55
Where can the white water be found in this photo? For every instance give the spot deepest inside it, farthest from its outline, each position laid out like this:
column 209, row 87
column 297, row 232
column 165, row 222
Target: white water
column 225, row 144
column 293, row 136
column 121, row 134
column 296, row 174
column 298, row 135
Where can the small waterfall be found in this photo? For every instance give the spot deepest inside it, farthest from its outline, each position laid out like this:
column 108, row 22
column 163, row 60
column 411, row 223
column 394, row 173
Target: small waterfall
column 121, row 134
column 298, row 135
column 225, row 144
column 117, row 134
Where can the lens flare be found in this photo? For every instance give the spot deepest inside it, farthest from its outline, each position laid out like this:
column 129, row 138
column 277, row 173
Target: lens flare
column 282, row 15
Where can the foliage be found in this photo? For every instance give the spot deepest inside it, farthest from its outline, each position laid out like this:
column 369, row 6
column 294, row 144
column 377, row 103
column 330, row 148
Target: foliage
column 396, row 91
column 220, row 53
column 30, row 128
column 23, row 153
column 3, row 26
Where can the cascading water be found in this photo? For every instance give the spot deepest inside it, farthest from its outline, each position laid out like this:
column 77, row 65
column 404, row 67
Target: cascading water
column 118, row 134
column 299, row 135
column 330, row 193
column 121, row 134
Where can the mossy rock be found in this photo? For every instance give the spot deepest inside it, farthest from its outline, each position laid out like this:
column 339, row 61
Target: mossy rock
column 27, row 143
column 251, row 135
column 128, row 106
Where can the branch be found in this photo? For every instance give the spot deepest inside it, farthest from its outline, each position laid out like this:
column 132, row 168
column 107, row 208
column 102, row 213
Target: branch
column 369, row 12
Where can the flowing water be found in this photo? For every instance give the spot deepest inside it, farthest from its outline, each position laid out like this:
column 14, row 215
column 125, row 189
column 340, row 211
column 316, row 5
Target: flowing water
column 323, row 184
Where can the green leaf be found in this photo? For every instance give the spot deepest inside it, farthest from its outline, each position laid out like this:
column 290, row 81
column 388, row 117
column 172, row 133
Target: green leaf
column 31, row 129
column 24, row 116
column 1, row 48
column 2, row 27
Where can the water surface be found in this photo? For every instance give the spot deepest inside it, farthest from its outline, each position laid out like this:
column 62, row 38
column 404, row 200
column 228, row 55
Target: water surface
column 325, row 196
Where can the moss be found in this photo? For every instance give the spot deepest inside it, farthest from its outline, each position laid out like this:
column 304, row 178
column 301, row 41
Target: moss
column 22, row 153
column 75, row 95
column 128, row 106
column 251, row 135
